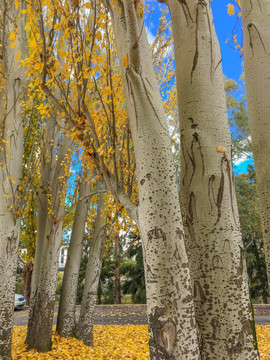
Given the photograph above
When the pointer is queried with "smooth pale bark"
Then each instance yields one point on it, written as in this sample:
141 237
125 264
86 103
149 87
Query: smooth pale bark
47 170
169 294
209 208
66 320
12 96
256 28
42 304
92 275
47 173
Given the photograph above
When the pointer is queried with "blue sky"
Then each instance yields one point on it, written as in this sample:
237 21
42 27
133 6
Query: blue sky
232 62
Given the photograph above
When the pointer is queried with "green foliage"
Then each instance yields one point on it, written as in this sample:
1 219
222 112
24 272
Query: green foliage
134 270
249 212
238 119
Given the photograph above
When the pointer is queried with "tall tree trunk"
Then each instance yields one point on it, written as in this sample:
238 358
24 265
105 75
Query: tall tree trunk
12 94
47 170
256 27
41 314
93 270
66 321
169 294
27 275
117 271
213 237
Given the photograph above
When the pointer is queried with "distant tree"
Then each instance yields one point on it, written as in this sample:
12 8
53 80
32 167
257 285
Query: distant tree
250 220
134 271
256 30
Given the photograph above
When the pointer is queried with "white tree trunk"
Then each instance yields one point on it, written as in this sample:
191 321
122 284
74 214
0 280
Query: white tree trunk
11 159
42 305
169 294
256 27
66 321
47 170
213 237
92 275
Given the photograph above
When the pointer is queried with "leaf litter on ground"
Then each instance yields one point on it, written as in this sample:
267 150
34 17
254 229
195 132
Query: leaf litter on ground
129 342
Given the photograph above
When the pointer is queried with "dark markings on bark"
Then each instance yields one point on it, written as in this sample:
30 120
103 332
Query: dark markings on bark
187 299
184 158
163 337
186 11
180 233
196 55
220 193
216 329
190 217
234 349
228 168
130 91
211 195
192 159
252 28
156 233
142 181
198 292
176 256
150 101
217 262
151 278
193 125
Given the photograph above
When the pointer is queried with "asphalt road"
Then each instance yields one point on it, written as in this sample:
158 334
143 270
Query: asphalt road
130 315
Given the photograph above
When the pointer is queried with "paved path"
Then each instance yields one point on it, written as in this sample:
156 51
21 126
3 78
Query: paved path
130 314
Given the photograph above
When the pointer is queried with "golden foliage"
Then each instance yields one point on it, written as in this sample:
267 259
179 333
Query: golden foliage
110 342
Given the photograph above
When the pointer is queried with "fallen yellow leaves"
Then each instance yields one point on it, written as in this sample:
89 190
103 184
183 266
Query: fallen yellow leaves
263 337
129 342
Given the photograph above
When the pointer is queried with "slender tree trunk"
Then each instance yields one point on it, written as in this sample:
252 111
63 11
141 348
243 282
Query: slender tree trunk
117 271
12 94
47 171
41 314
27 275
93 270
256 27
169 295
66 321
213 237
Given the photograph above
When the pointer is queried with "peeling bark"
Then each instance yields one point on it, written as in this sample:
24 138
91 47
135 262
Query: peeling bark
256 27
169 294
213 238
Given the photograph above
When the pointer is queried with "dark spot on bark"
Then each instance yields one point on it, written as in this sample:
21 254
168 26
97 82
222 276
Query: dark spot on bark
198 292
156 233
187 299
148 176
142 181
196 136
217 262
163 339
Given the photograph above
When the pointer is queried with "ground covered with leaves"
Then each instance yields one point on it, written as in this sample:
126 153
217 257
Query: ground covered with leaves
111 342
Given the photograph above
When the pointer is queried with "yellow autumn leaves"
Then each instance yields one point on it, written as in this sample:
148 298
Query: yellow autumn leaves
129 342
